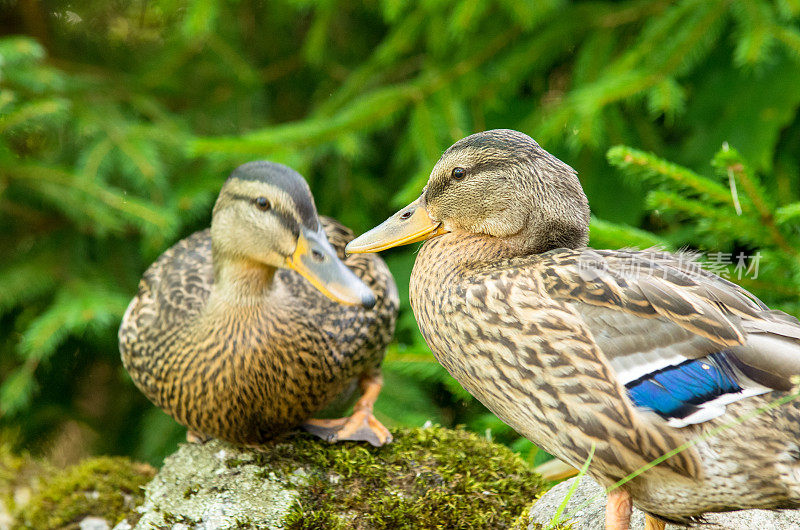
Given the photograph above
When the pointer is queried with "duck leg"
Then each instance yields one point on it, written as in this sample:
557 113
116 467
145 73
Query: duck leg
194 437
362 425
618 510
651 523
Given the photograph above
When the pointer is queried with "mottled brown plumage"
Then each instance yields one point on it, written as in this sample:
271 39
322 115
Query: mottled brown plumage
234 345
555 338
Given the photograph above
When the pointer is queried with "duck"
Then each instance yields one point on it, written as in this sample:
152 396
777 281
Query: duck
250 328
675 385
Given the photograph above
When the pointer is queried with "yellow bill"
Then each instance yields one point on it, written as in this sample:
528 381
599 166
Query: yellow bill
316 260
409 225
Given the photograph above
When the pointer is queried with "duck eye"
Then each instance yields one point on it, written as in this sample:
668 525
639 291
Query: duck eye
262 204
459 173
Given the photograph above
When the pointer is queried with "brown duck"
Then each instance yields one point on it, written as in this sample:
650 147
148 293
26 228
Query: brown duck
251 327
618 357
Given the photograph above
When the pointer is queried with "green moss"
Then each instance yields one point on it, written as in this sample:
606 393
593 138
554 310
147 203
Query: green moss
524 522
299 519
235 462
172 519
192 490
427 478
242 524
104 487
19 476
10 467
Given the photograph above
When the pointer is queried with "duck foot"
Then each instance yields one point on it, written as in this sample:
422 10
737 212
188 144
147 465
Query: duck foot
194 437
618 510
361 426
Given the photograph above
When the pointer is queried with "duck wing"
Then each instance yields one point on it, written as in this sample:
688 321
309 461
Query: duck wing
684 342
171 292
375 326
531 357
175 287
338 234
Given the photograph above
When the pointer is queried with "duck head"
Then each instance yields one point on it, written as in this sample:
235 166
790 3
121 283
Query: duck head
265 219
497 183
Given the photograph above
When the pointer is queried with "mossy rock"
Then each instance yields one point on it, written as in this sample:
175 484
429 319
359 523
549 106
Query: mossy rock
427 478
107 488
18 478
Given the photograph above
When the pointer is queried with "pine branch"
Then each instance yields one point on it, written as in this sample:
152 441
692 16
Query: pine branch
75 310
604 234
649 167
63 184
730 160
399 42
29 112
790 38
26 281
723 223
756 24
17 390
789 215
378 105
200 18
366 113
20 50
667 98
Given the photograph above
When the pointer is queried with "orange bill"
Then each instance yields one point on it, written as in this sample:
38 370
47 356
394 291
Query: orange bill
409 225
316 260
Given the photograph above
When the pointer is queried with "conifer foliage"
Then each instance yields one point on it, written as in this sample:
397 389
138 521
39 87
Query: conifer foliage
120 120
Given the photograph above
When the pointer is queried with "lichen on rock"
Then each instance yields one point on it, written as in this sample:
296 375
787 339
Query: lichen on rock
215 485
427 478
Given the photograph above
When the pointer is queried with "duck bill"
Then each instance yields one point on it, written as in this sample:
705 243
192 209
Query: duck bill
409 225
316 261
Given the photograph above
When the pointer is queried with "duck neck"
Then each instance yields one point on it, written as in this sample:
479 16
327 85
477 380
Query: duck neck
241 282
469 249
538 235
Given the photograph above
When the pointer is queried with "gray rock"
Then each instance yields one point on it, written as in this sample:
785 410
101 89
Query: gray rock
93 523
199 487
586 511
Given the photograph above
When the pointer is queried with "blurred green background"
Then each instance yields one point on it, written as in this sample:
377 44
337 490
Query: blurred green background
119 121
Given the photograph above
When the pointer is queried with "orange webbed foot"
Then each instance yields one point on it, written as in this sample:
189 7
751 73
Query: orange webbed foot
362 426
194 437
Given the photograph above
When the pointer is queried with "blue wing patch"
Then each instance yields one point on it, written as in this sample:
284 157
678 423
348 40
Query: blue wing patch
677 391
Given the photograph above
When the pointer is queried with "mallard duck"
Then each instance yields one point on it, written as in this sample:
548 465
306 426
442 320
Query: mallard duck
249 328
625 354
